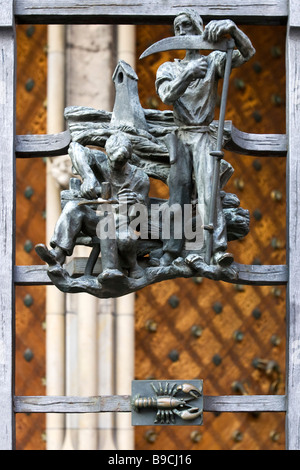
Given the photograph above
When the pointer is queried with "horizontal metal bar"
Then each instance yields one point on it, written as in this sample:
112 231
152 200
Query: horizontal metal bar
245 403
260 145
35 275
44 404
261 275
264 145
265 275
146 11
42 145
230 403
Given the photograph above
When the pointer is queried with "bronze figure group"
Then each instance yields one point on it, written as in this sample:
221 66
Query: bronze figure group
139 240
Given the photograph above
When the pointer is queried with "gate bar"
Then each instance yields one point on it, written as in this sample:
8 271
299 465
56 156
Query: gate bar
293 225
7 222
146 11
122 403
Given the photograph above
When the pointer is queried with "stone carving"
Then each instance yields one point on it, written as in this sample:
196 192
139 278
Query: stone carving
137 240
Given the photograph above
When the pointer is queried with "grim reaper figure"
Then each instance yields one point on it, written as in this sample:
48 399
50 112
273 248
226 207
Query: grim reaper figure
191 86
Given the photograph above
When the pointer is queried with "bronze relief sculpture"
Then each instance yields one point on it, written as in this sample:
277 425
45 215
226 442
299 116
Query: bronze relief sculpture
137 240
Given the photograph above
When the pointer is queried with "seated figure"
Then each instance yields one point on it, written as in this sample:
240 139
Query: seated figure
125 185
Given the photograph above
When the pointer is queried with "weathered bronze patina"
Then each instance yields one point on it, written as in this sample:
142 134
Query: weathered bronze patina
137 240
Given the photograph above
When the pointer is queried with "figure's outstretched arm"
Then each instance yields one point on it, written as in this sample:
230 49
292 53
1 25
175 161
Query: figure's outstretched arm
216 30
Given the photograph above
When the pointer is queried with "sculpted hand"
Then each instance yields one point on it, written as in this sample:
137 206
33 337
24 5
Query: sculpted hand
215 30
89 189
196 68
126 196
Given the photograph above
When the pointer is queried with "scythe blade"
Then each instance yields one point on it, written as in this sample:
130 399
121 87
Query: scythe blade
195 42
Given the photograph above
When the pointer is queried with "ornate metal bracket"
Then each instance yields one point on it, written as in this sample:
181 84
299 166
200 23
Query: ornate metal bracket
174 402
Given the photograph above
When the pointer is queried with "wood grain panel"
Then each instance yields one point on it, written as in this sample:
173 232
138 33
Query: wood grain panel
30 229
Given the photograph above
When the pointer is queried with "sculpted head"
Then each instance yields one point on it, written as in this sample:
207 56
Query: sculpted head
188 22
118 149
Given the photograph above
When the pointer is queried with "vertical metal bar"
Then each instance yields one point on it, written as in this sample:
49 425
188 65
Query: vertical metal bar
7 223
217 155
293 224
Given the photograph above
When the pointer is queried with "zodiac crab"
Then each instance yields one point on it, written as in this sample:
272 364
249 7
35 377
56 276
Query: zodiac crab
168 405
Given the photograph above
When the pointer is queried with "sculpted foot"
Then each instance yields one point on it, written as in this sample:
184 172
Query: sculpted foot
51 257
137 272
192 260
167 259
223 259
110 274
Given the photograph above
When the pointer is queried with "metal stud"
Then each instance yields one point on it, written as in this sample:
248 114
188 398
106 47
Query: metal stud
276 99
28 193
257 363
275 340
276 291
28 300
238 336
218 307
239 184
173 301
29 85
153 102
30 31
239 287
276 52
197 280
257 214
274 436
267 365
174 355
151 326
239 84
257 164
257 67
28 245
256 313
150 436
257 116
196 436
196 331
28 355
237 436
217 360
238 387
277 244
276 195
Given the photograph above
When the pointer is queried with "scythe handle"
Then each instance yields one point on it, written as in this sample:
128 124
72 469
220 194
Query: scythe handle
218 154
